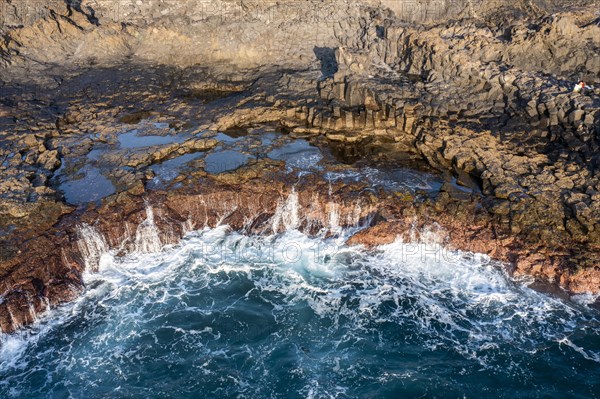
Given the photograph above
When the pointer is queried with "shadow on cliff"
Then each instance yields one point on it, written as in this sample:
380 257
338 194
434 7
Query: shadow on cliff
326 56
89 12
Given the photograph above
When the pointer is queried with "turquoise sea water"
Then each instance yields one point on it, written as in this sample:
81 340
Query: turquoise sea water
224 315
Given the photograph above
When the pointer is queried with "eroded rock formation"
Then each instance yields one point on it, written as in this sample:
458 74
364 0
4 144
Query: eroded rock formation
481 91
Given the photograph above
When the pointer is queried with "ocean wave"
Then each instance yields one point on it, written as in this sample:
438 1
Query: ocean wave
236 315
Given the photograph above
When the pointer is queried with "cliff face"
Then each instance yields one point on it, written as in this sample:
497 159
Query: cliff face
284 33
481 91
181 33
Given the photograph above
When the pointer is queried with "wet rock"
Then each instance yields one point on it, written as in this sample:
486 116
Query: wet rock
133 118
380 234
201 144
455 192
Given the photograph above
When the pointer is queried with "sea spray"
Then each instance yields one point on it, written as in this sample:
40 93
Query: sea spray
92 246
287 216
147 237
187 226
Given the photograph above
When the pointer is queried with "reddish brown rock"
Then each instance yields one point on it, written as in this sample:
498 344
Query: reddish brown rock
50 272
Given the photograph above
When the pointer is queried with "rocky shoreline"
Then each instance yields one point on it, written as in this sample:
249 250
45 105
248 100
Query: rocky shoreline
479 97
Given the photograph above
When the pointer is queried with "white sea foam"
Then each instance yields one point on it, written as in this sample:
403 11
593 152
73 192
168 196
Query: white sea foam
287 214
587 355
460 303
147 237
586 299
92 245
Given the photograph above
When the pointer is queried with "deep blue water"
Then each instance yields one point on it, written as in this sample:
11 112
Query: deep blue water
223 315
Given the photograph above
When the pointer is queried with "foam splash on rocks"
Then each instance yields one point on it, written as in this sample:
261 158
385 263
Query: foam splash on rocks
304 308
96 252
147 236
329 307
287 216
92 246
